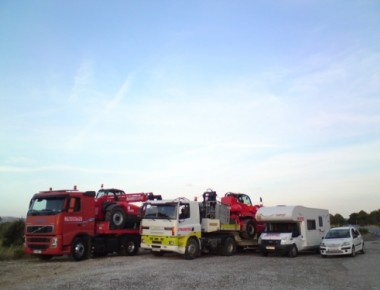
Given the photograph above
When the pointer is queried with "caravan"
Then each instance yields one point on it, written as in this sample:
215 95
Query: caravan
292 229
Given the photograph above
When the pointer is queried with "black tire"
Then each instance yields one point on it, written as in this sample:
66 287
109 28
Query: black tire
130 246
45 257
229 247
293 252
363 249
192 249
79 249
248 231
117 217
353 253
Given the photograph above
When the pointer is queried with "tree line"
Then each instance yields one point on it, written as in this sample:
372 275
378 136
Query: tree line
360 218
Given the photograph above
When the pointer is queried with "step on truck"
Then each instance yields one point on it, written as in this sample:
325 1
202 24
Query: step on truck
191 228
79 223
292 229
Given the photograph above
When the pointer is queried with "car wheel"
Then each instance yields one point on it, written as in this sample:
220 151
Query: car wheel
353 253
363 249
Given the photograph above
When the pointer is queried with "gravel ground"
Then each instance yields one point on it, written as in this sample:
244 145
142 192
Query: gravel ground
247 270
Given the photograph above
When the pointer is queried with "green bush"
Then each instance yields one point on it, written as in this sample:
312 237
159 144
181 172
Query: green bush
12 234
363 231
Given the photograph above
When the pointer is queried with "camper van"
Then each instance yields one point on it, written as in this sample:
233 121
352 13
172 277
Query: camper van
292 229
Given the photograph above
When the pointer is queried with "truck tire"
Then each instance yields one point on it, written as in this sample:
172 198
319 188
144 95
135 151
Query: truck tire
79 249
116 217
293 252
130 246
192 249
229 247
248 231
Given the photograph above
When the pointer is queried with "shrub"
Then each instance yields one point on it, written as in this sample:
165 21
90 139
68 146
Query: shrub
13 233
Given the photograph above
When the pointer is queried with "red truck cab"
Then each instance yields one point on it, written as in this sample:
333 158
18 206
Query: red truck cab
60 222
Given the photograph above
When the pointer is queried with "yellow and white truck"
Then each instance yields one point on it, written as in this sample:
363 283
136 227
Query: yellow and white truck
190 228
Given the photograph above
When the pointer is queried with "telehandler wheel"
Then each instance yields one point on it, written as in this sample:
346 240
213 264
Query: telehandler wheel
79 249
117 217
192 249
248 231
229 247
130 246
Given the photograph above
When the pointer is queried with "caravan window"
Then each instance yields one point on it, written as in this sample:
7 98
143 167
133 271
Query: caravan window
311 225
320 221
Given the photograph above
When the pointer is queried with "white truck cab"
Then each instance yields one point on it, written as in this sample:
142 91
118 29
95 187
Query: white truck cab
291 229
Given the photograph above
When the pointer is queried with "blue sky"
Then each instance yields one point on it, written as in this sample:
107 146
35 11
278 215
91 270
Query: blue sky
277 99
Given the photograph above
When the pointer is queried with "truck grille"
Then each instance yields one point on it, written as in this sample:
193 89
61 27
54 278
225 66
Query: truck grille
39 229
38 240
38 247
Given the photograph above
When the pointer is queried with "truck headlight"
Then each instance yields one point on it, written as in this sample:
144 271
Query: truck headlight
54 242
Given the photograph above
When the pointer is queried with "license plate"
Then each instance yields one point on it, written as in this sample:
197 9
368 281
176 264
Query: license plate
37 251
269 247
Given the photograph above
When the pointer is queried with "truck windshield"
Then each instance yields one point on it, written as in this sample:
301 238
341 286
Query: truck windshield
160 211
46 205
283 228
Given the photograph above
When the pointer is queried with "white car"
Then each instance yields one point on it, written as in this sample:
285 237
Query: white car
342 241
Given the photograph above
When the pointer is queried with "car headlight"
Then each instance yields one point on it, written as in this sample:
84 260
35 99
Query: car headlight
345 244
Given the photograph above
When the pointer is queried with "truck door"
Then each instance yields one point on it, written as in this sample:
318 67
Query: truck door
79 219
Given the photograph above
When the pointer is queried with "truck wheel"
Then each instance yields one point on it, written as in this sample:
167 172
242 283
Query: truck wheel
117 217
248 230
192 249
79 249
130 246
229 247
293 252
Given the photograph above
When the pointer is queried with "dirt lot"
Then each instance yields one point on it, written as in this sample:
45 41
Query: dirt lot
246 270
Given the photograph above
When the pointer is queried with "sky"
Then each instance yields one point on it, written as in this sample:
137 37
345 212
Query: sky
275 99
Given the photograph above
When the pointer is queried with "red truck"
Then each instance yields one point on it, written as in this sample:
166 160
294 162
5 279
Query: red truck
80 223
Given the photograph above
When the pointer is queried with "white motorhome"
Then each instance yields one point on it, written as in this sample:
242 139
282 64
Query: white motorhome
291 229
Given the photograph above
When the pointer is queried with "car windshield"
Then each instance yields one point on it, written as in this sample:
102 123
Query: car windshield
46 205
160 211
338 234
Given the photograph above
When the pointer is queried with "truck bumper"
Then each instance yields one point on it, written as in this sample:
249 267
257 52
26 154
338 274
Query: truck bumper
44 245
163 248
